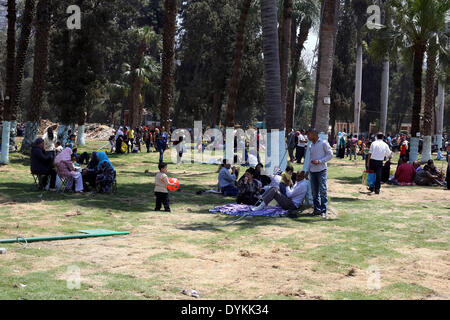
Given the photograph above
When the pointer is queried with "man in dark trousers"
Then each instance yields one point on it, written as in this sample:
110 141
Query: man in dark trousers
379 150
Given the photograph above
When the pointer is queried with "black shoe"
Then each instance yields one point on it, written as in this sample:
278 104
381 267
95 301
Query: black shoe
377 191
168 210
316 213
370 189
157 209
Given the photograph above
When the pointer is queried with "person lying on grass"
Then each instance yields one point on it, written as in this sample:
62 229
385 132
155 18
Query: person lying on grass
291 201
161 192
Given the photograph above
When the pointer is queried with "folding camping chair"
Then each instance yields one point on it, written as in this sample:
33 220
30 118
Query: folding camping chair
63 181
37 178
113 188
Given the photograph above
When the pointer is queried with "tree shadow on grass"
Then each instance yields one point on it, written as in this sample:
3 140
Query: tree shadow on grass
342 199
132 197
349 180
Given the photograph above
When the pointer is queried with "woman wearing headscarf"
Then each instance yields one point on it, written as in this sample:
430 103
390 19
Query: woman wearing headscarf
65 169
106 174
90 172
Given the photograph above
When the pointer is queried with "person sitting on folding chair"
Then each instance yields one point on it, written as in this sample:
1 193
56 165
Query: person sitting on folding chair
66 170
42 165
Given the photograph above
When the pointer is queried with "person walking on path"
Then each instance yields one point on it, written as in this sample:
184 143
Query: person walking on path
320 154
379 150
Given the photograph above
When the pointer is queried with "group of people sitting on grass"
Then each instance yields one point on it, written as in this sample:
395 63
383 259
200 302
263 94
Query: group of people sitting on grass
52 164
408 174
254 188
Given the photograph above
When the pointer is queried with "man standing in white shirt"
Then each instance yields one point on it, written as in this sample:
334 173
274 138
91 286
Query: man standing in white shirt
320 153
379 150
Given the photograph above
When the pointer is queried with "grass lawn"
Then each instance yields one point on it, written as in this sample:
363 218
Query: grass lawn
389 246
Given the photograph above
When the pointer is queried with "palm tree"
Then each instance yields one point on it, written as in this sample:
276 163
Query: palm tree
39 73
429 98
22 50
274 116
10 59
141 77
136 78
360 8
436 47
443 76
167 81
417 20
14 72
305 12
284 52
234 84
327 37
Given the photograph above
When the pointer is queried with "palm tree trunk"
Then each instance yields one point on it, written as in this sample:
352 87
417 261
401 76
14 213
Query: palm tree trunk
419 52
39 73
284 56
429 99
234 85
327 42
135 86
10 64
215 109
167 81
276 148
440 113
358 86
22 50
305 26
384 95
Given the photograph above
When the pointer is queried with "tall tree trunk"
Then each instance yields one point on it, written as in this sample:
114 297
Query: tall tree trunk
10 64
284 56
234 84
440 113
305 26
22 50
358 85
384 95
167 81
429 99
276 148
39 73
419 52
327 44
215 109
136 86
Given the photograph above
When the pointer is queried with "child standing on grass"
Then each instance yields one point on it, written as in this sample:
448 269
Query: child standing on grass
161 192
